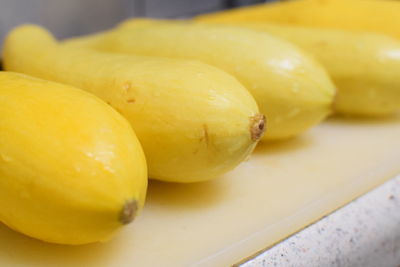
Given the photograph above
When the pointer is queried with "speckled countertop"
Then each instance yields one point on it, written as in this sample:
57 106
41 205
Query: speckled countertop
364 233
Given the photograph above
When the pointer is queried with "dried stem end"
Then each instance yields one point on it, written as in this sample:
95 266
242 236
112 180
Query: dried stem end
128 212
257 126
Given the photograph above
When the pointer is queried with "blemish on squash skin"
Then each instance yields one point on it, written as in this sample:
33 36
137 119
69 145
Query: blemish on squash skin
126 86
206 137
321 44
131 100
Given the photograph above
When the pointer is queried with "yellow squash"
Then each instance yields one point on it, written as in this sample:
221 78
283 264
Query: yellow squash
71 168
365 67
292 90
195 122
381 16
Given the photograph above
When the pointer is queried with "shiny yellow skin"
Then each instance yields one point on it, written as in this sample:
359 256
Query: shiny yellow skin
68 162
292 90
380 16
365 67
193 120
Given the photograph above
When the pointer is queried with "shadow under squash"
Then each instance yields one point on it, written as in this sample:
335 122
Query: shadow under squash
186 196
19 250
284 146
362 120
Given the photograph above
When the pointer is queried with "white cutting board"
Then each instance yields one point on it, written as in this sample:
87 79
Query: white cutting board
282 188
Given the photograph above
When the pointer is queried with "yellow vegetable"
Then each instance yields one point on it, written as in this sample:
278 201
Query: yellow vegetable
71 169
195 122
381 16
292 90
365 67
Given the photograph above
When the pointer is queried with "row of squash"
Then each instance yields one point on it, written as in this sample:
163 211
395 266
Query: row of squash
184 100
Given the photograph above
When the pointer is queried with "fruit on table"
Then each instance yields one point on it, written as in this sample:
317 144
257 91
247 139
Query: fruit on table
291 89
381 16
195 122
365 67
71 168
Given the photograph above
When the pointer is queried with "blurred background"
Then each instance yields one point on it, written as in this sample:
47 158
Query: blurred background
67 18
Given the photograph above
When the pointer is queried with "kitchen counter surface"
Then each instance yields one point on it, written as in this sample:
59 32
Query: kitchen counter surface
365 233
